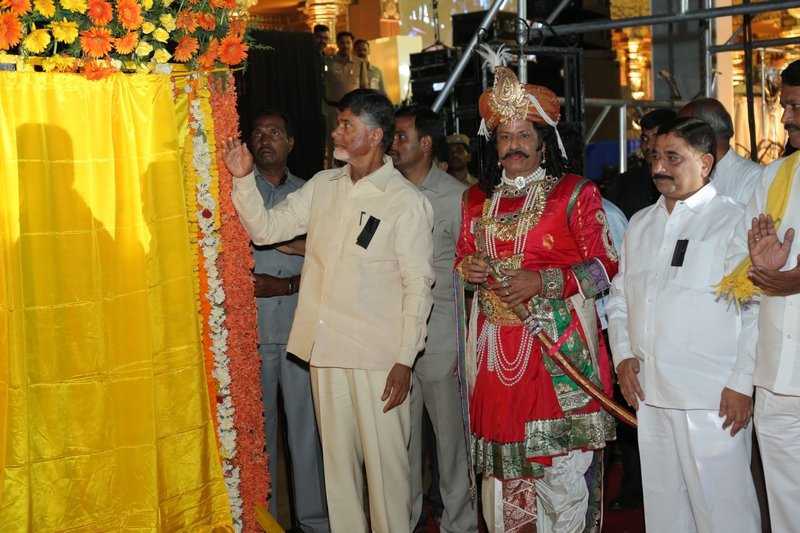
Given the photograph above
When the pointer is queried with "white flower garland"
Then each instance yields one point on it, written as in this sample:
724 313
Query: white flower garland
210 244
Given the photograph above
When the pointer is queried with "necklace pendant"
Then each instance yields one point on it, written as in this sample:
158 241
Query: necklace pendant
520 182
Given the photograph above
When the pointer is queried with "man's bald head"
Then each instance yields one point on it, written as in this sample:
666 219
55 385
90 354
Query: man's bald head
713 113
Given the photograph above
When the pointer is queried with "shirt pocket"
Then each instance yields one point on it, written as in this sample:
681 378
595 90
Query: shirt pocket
379 249
702 266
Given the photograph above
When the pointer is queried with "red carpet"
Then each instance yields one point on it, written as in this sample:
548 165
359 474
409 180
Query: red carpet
620 521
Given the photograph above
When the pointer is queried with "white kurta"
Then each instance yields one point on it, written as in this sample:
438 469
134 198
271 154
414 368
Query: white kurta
663 311
777 372
736 176
687 340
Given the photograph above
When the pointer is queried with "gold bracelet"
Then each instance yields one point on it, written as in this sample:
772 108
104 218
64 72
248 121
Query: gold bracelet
465 266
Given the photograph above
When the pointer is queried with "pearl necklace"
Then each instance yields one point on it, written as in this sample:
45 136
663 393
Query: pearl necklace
509 368
520 182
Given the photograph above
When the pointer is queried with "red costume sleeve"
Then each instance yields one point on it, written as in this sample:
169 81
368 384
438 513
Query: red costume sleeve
471 206
589 229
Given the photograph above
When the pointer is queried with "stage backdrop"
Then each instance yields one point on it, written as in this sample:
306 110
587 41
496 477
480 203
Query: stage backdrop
104 408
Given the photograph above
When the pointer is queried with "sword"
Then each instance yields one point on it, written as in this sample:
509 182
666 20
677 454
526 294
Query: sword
536 329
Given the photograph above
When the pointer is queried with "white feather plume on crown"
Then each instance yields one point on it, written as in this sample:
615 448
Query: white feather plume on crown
493 59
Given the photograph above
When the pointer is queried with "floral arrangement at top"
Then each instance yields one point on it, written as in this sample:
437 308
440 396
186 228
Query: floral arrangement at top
99 37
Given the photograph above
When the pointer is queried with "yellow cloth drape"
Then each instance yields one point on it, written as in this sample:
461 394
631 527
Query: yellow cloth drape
104 420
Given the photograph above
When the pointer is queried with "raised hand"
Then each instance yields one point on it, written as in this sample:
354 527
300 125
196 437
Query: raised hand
237 157
766 250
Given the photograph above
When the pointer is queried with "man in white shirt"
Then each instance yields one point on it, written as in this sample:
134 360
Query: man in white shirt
776 272
363 303
733 175
684 358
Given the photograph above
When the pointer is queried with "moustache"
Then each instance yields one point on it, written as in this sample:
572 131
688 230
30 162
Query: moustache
662 177
791 127
513 153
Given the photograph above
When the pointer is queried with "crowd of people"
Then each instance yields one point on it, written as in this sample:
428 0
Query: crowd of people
388 288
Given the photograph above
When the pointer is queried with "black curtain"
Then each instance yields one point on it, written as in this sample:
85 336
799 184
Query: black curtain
287 77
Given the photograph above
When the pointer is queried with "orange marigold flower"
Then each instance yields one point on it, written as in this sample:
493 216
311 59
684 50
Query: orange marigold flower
237 26
187 21
129 14
208 59
16 7
94 70
206 21
232 50
186 49
127 43
223 4
10 31
96 42
100 12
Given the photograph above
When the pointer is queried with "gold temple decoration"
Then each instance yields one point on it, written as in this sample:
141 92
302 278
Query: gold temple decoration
634 50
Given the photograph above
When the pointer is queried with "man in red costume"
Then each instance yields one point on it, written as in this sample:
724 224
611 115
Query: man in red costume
533 430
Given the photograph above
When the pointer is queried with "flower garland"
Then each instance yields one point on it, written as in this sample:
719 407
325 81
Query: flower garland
227 305
236 265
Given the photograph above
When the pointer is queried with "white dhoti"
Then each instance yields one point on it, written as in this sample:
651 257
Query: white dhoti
562 498
695 476
777 420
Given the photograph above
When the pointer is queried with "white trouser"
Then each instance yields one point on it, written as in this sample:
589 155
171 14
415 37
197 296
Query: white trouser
777 420
695 476
562 497
355 431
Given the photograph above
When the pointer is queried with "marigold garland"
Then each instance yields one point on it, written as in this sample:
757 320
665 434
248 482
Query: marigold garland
245 362
229 325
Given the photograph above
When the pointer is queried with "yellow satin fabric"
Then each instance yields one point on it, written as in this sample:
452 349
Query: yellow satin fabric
104 420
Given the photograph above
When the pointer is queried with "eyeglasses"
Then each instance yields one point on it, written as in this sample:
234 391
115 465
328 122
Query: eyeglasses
272 133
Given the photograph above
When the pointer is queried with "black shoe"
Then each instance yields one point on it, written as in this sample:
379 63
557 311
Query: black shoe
625 503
